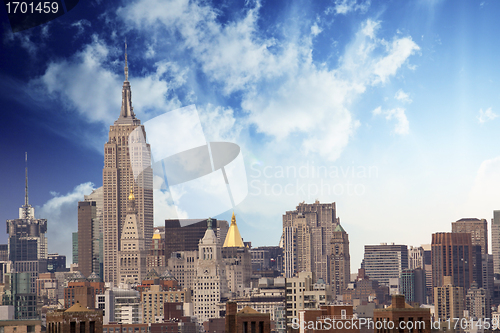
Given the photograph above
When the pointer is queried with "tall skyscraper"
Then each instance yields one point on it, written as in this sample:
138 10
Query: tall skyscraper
495 240
452 256
307 232
125 153
27 241
478 229
385 261
340 261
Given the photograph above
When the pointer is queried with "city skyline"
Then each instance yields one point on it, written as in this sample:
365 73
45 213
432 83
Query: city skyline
392 104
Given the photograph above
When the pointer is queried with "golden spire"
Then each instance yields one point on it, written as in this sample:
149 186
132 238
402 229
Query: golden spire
233 238
131 196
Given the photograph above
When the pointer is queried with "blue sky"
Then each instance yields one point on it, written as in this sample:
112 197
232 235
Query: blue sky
393 103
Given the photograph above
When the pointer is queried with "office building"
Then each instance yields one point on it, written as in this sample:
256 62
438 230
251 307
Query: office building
27 242
90 236
127 164
74 244
303 293
365 290
185 235
452 256
495 241
210 283
156 253
267 259
340 261
237 260
477 302
183 266
385 261
478 229
307 232
412 285
448 300
415 257
56 263
342 315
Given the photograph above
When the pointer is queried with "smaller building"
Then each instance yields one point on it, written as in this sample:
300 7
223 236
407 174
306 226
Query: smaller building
21 326
246 320
75 319
402 317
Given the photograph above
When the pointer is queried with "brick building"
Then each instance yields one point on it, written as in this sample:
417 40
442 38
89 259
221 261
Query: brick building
401 313
246 320
75 319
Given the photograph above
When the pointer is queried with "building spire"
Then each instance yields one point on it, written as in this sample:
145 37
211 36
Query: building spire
233 237
26 203
126 64
127 115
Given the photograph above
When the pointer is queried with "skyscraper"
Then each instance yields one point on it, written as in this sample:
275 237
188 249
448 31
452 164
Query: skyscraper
478 229
90 256
27 249
340 261
127 163
307 232
495 240
27 242
452 256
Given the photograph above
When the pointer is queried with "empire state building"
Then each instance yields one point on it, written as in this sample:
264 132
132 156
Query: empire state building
125 152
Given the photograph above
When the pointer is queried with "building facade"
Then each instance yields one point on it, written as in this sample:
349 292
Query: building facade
452 256
90 234
307 232
340 261
210 283
385 261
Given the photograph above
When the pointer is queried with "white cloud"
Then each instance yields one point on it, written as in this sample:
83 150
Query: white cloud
398 52
346 6
219 123
402 96
85 83
485 191
315 30
402 126
377 111
80 26
164 208
487 115
62 218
